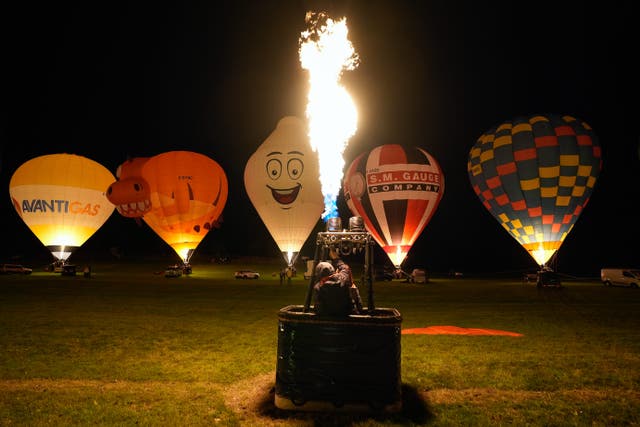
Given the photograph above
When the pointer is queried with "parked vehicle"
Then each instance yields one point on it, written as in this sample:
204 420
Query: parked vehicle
418 275
68 270
173 271
246 274
548 279
14 269
55 267
186 268
383 274
620 277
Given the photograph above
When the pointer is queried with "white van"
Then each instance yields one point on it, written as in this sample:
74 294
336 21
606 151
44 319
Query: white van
620 277
418 275
14 268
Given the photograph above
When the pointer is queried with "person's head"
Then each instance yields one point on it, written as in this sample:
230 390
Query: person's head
324 269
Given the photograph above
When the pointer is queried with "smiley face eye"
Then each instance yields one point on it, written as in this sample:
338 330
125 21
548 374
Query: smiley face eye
274 169
295 168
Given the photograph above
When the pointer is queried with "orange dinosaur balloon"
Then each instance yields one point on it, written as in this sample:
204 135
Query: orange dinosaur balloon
179 194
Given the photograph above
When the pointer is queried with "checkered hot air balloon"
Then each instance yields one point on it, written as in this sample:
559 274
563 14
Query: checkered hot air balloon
535 175
396 191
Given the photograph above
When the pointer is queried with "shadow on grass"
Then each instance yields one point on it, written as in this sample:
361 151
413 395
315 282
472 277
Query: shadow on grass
415 409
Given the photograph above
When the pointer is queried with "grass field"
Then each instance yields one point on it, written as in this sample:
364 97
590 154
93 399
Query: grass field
131 347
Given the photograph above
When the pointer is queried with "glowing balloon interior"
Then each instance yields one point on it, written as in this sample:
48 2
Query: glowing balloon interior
281 180
535 175
60 197
179 194
396 191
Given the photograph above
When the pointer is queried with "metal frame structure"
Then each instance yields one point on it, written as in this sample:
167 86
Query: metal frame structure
345 243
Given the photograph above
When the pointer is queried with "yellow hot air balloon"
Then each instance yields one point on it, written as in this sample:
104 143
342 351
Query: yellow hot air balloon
282 181
61 198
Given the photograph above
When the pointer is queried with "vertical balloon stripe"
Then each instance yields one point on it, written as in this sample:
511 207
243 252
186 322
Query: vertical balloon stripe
414 220
373 207
355 188
371 222
390 154
395 211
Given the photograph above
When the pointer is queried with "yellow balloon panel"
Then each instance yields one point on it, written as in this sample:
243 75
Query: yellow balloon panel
62 170
60 197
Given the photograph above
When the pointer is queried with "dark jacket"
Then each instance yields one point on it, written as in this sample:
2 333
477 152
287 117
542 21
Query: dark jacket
337 295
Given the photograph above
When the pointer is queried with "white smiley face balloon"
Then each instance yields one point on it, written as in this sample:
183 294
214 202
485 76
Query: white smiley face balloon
282 181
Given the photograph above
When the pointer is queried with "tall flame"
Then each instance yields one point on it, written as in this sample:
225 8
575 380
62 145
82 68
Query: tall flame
325 51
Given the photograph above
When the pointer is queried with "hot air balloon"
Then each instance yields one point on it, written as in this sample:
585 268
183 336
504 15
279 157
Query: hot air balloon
281 179
179 194
396 191
535 175
61 199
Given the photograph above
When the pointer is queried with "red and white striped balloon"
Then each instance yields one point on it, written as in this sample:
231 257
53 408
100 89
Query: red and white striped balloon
396 190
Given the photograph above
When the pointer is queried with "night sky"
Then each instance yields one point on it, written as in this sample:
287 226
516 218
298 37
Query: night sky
110 81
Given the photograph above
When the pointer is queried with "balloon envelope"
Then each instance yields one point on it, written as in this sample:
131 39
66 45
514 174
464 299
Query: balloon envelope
396 191
179 194
535 175
282 181
61 198
131 193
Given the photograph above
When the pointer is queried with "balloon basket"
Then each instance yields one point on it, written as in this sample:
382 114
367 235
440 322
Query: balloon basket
345 364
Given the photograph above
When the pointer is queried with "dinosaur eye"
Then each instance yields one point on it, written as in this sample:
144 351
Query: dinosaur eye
137 187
